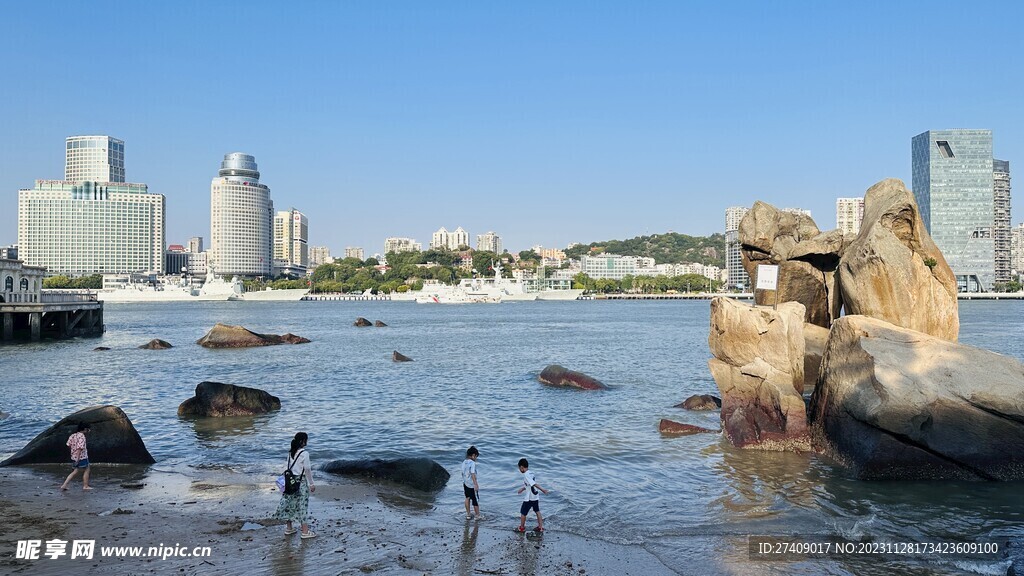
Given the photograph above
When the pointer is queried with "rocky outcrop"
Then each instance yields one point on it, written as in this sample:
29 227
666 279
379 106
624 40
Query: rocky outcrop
397 356
678 428
419 473
814 346
701 402
759 369
362 322
224 336
806 258
379 324
555 375
112 439
216 399
893 271
156 344
894 403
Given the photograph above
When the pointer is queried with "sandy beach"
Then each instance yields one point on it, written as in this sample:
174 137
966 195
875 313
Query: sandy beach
362 528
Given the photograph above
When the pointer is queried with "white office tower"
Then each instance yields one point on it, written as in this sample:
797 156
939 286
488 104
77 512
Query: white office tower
94 159
319 255
291 235
736 274
458 239
81 228
490 242
439 239
195 244
849 214
241 220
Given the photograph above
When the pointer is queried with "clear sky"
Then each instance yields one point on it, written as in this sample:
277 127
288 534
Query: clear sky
547 122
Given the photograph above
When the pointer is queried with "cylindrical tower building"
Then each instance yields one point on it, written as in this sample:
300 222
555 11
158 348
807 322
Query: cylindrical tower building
241 219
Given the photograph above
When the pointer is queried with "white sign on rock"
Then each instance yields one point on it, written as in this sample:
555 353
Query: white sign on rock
767 276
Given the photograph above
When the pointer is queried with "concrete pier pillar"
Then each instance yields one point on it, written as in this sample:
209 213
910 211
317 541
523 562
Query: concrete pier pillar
62 324
35 321
8 333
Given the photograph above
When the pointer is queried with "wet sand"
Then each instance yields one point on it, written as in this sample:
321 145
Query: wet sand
362 528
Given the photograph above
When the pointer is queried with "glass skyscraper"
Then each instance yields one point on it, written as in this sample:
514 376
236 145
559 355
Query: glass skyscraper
953 187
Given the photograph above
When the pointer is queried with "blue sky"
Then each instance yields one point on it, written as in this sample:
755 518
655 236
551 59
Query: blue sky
546 122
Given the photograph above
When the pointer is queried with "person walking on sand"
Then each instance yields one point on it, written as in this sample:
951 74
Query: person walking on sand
469 484
80 457
531 500
294 505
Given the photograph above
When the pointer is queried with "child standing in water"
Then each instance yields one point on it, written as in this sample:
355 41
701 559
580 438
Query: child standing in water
530 500
469 483
80 456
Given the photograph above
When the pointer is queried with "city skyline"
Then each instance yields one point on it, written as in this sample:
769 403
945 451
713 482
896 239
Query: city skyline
606 117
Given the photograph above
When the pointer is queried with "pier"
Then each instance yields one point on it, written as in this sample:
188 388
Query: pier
684 296
353 297
27 312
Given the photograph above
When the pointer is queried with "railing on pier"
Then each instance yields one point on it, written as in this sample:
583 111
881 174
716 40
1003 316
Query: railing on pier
47 297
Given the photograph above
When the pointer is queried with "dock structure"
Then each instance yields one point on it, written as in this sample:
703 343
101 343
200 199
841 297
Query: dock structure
27 312
352 297
683 296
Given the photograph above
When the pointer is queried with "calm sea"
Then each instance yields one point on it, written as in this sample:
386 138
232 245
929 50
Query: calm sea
473 381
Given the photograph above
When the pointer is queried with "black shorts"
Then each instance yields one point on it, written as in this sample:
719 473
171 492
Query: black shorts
471 494
529 505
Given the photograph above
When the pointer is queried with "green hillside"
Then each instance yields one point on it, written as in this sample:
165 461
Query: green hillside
669 248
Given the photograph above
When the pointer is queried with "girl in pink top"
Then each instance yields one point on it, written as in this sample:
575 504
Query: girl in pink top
79 455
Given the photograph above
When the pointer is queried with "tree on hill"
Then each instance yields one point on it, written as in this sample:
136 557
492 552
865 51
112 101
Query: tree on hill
669 248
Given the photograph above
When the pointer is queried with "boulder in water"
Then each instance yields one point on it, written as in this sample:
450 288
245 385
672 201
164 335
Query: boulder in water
224 336
419 473
379 324
397 356
156 344
112 439
701 402
678 428
217 399
555 375
100 349
362 322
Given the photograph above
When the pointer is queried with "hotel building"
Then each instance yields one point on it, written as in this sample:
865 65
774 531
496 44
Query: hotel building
241 219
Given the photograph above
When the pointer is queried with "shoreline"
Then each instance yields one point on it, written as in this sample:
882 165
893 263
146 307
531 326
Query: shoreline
361 528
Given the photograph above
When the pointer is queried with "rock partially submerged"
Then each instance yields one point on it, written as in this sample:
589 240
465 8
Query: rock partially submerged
100 349
894 403
893 271
758 367
419 473
156 344
112 439
397 356
379 324
362 322
701 402
217 399
555 375
225 336
678 428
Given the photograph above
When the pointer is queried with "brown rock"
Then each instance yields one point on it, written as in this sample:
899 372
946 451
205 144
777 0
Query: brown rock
555 375
100 349
396 356
112 439
701 402
894 403
815 338
217 399
893 271
156 344
362 322
671 427
224 336
379 324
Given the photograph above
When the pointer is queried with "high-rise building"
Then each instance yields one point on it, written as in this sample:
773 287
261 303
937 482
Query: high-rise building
1017 248
195 244
439 239
291 235
953 187
395 244
736 274
489 241
9 252
94 159
458 239
79 228
849 214
241 219
319 255
354 252
1001 219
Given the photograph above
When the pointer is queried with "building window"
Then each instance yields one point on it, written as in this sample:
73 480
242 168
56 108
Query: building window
944 150
24 284
9 284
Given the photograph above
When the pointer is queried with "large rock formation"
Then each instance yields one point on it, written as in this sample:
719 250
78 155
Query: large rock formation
701 402
555 375
898 404
224 336
815 338
112 439
759 369
419 473
806 258
216 399
156 344
894 271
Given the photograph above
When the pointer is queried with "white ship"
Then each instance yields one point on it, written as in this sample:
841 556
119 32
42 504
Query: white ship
121 288
271 295
492 290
